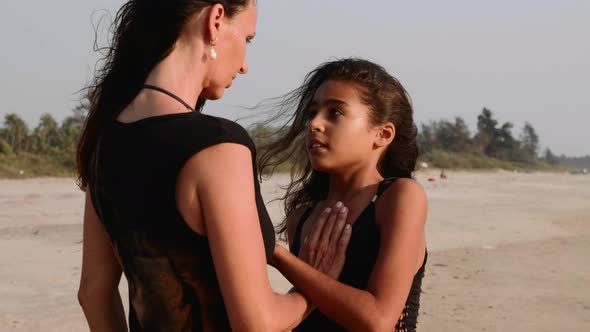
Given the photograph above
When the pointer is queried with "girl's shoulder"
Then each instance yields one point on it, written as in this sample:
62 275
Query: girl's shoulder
401 186
401 194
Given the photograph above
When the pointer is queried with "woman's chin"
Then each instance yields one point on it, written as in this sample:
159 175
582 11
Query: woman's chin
212 94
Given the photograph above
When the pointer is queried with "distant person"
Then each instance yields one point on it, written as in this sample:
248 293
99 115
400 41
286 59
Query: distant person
354 133
172 198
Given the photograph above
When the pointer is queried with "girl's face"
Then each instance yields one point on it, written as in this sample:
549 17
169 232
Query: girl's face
339 134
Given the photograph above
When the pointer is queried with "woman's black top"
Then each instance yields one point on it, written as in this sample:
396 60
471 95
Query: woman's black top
172 281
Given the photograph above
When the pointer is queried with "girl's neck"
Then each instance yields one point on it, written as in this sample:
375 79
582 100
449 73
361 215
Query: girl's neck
347 188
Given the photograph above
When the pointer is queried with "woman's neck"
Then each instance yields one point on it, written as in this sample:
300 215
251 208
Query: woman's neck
181 73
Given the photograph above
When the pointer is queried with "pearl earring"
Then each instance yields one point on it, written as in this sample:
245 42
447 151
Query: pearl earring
212 52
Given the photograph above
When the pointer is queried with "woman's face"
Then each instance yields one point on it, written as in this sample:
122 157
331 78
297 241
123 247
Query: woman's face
232 39
339 134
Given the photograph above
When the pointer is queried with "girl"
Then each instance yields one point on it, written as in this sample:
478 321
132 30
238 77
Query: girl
354 141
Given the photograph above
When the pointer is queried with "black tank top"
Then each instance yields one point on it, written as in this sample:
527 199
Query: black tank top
361 256
169 268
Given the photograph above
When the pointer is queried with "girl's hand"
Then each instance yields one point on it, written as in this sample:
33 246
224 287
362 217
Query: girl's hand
325 247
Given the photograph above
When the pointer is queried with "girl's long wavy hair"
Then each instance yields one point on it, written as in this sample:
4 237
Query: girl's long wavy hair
388 101
144 32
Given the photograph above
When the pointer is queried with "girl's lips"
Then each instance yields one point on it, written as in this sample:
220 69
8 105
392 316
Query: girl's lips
317 148
316 143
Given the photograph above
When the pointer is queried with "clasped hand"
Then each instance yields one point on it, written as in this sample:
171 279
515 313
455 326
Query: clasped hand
325 246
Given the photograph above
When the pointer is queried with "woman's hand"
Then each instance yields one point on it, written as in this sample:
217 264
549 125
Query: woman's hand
325 247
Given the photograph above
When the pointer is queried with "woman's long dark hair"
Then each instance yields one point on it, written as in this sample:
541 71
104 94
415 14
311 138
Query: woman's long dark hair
388 101
144 33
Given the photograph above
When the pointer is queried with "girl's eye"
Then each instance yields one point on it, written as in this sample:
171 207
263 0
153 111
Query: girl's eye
335 112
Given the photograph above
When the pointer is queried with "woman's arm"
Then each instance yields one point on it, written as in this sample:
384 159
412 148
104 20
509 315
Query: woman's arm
401 215
101 272
224 182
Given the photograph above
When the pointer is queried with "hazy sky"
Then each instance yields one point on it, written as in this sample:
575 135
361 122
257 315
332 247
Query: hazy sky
526 60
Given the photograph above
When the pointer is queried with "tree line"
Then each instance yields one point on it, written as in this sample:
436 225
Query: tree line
49 140
56 142
491 139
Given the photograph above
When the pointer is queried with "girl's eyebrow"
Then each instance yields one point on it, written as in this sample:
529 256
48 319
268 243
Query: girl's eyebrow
330 102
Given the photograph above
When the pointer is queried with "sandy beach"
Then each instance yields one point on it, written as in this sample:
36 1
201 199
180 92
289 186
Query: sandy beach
507 251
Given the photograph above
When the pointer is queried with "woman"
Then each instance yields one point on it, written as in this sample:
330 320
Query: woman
171 194
355 139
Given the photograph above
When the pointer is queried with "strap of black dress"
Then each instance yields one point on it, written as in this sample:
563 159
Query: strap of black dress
383 185
170 94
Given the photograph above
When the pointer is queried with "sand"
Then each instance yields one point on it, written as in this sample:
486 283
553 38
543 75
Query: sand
508 251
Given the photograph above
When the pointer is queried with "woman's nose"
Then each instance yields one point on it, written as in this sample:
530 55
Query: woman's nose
244 69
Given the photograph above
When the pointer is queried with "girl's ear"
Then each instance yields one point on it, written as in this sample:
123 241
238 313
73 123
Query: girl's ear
384 135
